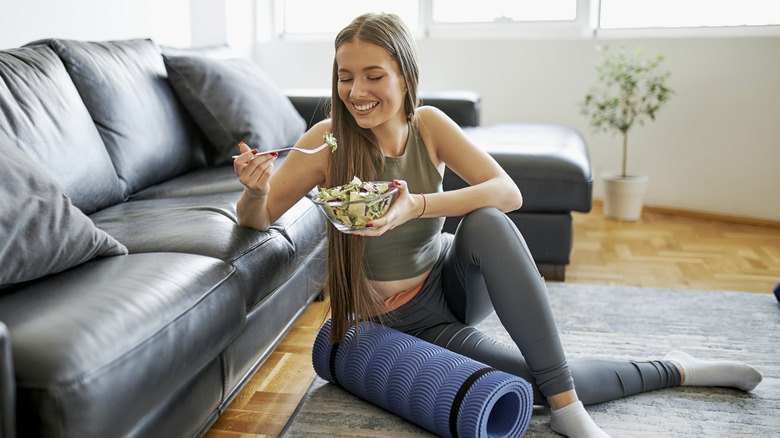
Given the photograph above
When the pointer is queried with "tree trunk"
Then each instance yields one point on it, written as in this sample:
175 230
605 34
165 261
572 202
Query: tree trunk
625 151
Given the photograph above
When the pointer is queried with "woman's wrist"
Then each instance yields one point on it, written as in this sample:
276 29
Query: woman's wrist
424 206
250 193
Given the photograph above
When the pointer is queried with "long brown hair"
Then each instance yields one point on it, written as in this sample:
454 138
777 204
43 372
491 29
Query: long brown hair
359 154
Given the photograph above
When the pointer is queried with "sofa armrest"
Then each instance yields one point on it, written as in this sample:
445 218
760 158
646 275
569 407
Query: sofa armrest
7 386
462 106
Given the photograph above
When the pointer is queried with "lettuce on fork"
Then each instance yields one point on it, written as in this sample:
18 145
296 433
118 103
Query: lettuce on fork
330 140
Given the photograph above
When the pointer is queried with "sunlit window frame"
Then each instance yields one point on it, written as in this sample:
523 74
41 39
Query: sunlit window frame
276 11
581 26
586 25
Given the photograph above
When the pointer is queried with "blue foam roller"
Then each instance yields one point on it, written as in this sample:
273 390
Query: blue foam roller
444 392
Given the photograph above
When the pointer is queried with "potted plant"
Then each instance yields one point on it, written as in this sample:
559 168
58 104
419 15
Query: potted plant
630 90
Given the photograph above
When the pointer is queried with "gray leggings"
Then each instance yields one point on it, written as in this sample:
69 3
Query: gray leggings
486 265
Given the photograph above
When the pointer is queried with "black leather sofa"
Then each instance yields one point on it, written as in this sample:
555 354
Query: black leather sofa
549 162
131 302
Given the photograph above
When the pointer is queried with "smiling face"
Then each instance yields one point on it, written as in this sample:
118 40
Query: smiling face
370 84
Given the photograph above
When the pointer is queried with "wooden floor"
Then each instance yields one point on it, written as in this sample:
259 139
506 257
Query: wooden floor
659 250
668 251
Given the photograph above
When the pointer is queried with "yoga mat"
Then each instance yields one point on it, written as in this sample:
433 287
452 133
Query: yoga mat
444 392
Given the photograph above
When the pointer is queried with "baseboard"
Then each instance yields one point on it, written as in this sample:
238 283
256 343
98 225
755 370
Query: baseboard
552 272
696 214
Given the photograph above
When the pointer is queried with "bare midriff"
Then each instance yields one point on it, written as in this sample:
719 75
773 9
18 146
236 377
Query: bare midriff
387 289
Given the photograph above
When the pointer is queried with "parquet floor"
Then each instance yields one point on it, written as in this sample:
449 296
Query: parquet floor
265 404
659 250
667 251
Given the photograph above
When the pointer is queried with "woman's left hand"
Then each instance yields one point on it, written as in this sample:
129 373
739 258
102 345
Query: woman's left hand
404 208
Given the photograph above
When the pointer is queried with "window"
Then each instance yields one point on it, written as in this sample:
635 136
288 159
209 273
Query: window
503 11
534 18
502 18
300 17
637 14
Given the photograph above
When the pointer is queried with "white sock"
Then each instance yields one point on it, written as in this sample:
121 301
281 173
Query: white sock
574 422
728 373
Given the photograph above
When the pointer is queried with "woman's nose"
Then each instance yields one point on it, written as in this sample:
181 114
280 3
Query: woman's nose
358 88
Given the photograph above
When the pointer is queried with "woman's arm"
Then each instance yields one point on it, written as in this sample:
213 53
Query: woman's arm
268 194
488 184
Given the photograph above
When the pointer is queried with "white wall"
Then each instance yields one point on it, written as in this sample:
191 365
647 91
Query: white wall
22 21
715 148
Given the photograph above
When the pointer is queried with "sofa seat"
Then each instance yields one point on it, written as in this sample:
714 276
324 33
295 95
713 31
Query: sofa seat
207 225
199 182
140 326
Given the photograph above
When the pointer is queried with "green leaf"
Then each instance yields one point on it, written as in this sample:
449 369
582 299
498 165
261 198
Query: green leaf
630 89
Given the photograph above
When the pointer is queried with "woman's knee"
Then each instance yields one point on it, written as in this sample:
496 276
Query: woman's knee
482 219
488 223
488 232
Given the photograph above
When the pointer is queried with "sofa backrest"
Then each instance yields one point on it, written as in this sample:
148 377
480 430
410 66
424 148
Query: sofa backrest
146 131
42 113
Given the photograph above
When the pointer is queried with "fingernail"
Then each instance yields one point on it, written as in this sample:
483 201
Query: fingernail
396 182
274 154
241 143
369 225
254 151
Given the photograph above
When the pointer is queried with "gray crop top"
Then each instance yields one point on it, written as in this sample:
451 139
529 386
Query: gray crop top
412 248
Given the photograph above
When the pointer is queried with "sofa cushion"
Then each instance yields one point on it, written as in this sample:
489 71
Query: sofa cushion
124 85
208 225
45 117
41 232
233 100
97 347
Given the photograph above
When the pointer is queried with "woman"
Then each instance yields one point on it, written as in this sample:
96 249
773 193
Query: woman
437 286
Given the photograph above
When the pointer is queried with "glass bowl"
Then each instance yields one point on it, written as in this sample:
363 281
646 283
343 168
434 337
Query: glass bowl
350 217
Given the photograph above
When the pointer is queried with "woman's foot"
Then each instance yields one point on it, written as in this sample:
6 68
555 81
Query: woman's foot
574 422
698 372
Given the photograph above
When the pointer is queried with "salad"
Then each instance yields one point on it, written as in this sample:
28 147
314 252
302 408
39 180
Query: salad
342 205
331 141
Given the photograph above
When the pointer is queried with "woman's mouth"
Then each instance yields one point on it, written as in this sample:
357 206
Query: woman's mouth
365 107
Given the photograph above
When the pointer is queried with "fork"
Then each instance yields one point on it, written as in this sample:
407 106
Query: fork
305 151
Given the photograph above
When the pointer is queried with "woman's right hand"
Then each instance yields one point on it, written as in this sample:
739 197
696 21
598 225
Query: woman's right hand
254 172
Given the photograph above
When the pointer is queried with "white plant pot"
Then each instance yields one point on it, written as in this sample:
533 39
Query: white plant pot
623 197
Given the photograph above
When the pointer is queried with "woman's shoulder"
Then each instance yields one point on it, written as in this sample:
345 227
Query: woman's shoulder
314 136
436 130
430 115
320 128
311 139
431 121
428 112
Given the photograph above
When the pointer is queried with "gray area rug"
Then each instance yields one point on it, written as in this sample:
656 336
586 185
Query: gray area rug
621 323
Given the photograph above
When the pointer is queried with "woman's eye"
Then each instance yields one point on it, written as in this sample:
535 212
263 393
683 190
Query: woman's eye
375 78
345 79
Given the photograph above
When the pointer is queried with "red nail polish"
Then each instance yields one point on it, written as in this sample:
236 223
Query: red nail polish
254 151
241 143
369 225
274 154
396 182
